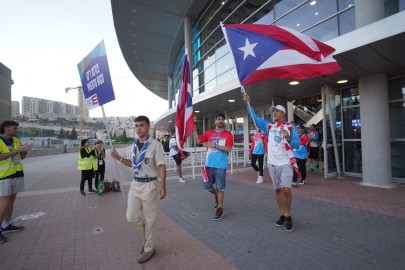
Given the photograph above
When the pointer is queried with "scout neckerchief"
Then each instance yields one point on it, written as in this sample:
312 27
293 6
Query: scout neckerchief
138 164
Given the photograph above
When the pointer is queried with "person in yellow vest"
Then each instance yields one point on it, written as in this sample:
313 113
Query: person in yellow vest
11 174
87 164
100 172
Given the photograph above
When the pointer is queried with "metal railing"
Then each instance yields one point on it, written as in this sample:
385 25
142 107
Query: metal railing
197 157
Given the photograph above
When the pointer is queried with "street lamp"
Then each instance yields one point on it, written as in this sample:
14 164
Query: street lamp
80 101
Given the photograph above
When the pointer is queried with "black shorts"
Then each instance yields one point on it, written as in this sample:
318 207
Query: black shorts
178 158
313 152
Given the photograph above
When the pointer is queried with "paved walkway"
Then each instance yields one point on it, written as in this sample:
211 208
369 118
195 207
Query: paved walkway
339 224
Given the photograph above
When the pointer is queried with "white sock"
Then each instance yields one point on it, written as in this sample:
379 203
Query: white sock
5 223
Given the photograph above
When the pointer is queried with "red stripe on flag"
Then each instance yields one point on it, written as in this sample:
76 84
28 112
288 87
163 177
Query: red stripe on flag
184 114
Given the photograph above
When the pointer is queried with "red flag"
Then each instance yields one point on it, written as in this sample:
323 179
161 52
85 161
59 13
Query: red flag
266 51
184 114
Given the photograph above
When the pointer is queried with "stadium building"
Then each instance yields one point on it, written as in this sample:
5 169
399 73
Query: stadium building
360 110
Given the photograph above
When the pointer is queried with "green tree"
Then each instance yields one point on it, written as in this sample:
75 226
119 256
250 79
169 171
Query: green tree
61 134
73 134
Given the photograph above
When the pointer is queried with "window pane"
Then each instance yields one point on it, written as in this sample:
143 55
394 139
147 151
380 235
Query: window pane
397 120
238 124
308 14
351 122
209 74
210 85
226 77
225 63
347 22
324 31
353 162
342 4
284 6
396 89
351 96
398 159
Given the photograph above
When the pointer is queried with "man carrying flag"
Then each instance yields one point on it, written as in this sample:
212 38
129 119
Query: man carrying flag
262 52
281 137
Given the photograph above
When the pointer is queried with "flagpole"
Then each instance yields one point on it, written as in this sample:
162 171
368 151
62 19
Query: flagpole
111 146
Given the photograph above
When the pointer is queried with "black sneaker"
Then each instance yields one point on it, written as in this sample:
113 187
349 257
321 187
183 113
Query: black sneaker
92 191
302 182
288 225
2 239
219 214
294 184
82 193
12 228
280 221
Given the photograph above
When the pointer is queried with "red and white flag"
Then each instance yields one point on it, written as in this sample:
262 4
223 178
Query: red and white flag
184 114
267 51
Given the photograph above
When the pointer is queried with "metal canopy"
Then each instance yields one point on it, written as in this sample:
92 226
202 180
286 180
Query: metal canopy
151 34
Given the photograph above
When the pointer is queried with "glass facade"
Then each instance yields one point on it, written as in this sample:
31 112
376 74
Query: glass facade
396 96
212 62
351 126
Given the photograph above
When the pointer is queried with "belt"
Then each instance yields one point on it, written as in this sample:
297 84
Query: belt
144 180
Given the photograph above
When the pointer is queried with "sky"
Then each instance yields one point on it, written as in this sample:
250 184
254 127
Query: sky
43 41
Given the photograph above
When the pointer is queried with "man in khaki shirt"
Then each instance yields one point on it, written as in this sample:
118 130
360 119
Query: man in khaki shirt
148 164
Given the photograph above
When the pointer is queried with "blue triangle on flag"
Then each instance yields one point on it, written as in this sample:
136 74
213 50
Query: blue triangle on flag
246 64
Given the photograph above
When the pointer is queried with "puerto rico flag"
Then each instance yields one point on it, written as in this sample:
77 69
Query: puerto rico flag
266 51
184 114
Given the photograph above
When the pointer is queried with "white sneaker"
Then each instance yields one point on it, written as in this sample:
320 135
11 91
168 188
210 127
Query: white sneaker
259 180
182 181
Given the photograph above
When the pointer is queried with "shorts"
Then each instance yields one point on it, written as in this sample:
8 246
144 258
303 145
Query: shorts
281 175
11 186
178 158
313 152
216 176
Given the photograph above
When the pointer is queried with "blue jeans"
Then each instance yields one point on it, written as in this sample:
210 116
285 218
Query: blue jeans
216 176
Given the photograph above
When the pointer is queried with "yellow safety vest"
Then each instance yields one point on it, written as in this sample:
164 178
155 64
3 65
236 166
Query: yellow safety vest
86 163
10 165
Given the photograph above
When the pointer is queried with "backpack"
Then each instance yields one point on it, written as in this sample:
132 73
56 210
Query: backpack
107 186
115 185
166 146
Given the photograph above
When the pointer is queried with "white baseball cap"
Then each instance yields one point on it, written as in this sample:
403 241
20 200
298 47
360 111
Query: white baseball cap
277 107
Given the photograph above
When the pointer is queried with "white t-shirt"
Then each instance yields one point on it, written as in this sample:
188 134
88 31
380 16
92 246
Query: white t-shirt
173 142
277 154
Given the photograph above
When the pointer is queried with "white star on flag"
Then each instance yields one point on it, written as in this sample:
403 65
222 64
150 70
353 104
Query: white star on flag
248 49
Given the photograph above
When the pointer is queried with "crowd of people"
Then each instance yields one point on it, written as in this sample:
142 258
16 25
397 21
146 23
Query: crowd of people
286 147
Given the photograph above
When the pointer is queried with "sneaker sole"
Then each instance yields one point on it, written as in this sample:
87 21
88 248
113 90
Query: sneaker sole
11 231
289 230
279 225
216 219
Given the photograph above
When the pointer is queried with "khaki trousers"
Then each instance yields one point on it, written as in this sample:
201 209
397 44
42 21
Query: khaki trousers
142 210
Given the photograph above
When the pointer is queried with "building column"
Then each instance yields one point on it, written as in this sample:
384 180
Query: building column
290 111
5 93
375 130
368 11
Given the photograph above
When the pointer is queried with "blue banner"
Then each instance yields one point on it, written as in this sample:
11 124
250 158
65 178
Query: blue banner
95 77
